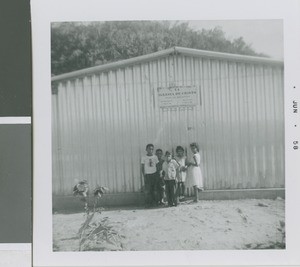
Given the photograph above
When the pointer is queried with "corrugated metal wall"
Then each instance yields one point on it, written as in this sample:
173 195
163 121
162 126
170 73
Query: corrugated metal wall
102 123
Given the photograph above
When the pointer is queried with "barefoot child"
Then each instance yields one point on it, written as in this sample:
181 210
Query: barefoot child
181 175
149 171
194 176
170 168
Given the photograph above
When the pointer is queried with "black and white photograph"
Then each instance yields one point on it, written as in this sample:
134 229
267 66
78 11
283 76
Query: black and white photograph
168 135
165 133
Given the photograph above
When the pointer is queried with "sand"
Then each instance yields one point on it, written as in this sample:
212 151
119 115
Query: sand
206 225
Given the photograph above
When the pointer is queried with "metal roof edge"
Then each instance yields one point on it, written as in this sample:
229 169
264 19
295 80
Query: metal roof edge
229 56
113 65
176 49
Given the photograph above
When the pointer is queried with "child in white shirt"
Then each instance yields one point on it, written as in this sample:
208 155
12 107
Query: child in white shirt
149 172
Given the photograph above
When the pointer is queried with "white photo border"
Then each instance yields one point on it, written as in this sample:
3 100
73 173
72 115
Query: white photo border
44 12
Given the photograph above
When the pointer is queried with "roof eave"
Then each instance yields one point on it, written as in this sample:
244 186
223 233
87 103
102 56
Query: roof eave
228 56
113 65
180 50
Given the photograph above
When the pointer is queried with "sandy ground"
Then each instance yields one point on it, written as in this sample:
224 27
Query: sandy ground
233 224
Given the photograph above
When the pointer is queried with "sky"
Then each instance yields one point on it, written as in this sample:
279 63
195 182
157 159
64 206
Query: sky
265 36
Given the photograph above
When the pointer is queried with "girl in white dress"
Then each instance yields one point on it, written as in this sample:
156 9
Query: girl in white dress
194 174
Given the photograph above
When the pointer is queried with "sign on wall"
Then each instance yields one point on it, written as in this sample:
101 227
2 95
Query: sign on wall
177 96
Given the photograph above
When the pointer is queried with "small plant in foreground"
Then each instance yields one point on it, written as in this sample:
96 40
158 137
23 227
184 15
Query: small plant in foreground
282 231
81 190
271 245
95 235
98 192
99 236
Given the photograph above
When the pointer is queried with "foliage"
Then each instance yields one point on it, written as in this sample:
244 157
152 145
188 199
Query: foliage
271 244
281 229
98 235
81 190
95 235
77 45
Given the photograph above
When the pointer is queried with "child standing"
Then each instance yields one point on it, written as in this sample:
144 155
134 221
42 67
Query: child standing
149 172
160 186
181 175
170 168
194 176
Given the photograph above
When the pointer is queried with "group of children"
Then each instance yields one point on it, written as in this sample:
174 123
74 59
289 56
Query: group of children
170 176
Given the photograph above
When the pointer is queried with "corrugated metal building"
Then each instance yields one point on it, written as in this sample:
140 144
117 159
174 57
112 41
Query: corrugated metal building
232 105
